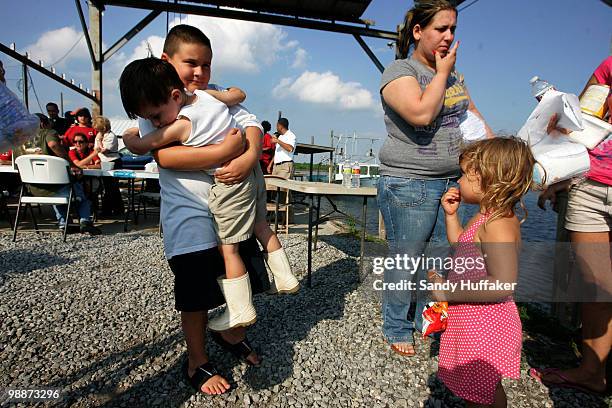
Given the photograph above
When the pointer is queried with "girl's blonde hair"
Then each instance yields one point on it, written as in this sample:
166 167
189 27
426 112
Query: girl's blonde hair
505 167
421 13
101 124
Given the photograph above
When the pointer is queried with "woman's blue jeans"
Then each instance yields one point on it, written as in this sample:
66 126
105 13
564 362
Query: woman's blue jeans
409 209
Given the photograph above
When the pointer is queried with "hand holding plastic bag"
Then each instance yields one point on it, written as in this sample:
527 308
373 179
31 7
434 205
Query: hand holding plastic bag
565 106
435 315
17 125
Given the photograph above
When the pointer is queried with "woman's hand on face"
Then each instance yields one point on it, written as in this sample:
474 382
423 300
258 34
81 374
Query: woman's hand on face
444 65
450 201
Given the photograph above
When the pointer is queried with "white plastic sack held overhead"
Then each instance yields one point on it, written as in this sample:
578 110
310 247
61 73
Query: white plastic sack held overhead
566 106
17 125
558 156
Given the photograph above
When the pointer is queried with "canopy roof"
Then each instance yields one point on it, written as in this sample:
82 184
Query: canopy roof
338 10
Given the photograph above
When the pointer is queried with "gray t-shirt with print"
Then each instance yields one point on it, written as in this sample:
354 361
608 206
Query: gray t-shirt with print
424 152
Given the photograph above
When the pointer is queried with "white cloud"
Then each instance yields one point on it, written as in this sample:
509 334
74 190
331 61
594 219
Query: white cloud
53 45
325 88
300 58
156 44
241 46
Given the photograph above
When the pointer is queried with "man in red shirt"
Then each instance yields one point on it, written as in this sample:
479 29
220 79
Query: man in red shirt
267 148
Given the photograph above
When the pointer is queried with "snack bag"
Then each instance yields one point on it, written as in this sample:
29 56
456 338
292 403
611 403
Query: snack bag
17 125
435 315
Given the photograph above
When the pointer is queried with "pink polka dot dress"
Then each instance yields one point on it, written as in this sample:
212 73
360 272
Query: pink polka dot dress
482 341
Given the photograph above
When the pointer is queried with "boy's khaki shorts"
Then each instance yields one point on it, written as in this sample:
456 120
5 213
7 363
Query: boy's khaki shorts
237 208
589 207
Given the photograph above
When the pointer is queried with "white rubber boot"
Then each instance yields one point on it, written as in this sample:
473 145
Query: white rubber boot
239 310
284 280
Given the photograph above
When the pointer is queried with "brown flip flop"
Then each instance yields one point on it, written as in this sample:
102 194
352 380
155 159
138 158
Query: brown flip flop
399 351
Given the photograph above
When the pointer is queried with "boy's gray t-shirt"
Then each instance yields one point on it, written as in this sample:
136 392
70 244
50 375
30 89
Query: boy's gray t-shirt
427 152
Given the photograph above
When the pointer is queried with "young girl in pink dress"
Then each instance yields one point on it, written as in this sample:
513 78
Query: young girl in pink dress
482 342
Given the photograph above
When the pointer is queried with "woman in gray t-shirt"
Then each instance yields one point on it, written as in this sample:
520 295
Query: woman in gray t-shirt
423 98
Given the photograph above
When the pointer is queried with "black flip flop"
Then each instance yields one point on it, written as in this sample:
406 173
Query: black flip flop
240 350
202 374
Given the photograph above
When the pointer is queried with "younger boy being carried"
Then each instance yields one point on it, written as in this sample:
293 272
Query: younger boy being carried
151 88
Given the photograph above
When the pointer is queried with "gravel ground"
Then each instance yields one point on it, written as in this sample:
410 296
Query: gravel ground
95 317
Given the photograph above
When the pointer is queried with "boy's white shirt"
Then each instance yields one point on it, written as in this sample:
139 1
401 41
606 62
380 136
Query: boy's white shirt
210 120
186 220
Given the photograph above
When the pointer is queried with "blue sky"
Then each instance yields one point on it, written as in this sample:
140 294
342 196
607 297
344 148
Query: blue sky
324 81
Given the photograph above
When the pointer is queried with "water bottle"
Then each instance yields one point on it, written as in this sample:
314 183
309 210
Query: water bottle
539 87
346 174
355 173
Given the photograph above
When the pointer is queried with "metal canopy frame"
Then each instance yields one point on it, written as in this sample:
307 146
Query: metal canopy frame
287 13
28 62
316 16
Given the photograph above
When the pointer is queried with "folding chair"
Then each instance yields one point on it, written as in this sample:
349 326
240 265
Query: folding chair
41 169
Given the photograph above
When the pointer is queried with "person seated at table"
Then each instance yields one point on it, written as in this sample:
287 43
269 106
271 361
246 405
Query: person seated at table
83 156
107 141
9 182
83 126
6 158
47 142
59 124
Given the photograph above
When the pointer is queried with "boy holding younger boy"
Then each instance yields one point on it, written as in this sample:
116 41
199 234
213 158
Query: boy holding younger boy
154 89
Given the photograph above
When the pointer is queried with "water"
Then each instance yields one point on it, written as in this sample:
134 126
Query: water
540 226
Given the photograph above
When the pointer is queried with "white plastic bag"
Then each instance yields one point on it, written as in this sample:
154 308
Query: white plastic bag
559 158
560 162
567 108
17 125
472 127
595 130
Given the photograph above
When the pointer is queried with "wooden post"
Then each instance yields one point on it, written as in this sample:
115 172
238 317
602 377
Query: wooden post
95 31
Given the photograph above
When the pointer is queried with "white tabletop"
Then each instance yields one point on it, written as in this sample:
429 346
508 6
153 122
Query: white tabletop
318 188
7 168
118 173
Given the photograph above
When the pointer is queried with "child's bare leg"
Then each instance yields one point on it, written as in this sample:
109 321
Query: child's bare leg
469 404
500 397
266 237
234 267
236 335
194 327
